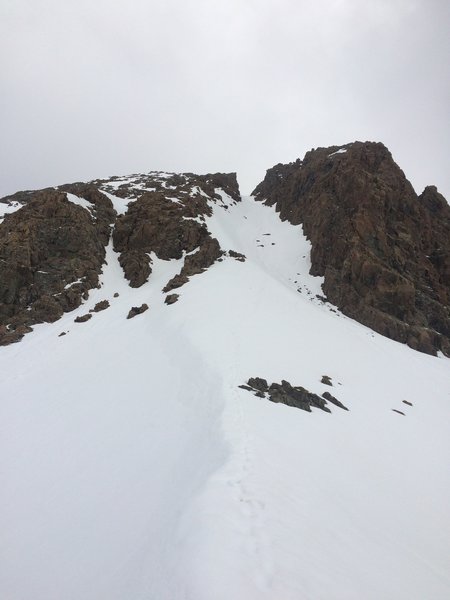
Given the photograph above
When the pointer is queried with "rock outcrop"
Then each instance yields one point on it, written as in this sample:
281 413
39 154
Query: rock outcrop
195 263
53 241
384 252
285 393
51 254
137 310
168 219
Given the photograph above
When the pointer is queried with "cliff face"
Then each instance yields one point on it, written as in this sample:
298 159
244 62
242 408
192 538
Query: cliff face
53 241
51 254
384 251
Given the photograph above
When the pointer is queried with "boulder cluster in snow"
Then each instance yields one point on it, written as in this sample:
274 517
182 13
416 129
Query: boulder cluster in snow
295 396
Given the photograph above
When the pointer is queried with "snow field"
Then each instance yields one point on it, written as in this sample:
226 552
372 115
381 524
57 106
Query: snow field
134 467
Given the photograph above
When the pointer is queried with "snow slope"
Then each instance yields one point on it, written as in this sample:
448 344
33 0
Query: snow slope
133 467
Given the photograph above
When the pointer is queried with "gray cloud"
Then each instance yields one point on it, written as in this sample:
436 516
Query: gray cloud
90 89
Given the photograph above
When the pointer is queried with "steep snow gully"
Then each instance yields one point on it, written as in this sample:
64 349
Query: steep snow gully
133 466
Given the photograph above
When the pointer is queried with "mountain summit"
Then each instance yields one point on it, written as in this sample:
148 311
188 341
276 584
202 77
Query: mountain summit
384 251
208 396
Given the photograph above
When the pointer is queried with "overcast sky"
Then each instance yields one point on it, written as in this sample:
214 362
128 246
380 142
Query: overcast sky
92 88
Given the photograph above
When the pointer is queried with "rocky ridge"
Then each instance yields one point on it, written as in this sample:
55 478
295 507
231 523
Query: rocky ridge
53 241
51 253
384 252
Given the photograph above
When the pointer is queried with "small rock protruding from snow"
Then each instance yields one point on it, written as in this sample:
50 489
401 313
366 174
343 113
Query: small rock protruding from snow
102 305
326 380
171 298
83 318
137 310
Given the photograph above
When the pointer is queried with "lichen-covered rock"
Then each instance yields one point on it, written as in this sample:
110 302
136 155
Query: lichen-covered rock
384 252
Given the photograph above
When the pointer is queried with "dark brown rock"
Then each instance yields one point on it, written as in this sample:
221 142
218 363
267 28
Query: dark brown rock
83 318
326 380
258 383
168 222
176 282
208 252
295 396
52 250
333 400
398 411
384 252
136 266
102 305
155 224
104 212
407 402
237 255
137 310
51 254
11 336
171 298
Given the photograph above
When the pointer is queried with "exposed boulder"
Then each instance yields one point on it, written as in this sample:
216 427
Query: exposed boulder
171 298
137 310
237 255
83 318
259 384
102 305
384 252
333 400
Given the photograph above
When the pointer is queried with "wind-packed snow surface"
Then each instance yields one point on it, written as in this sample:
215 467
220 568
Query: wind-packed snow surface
133 467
